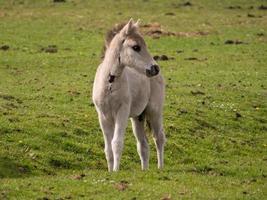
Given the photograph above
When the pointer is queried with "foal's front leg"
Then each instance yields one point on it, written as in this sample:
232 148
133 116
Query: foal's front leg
107 127
118 138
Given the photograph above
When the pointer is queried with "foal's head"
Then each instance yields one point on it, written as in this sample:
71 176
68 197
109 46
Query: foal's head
128 48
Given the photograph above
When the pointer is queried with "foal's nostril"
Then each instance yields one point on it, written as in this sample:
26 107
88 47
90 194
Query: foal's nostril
155 69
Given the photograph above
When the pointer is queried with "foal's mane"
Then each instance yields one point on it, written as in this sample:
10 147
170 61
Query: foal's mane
110 35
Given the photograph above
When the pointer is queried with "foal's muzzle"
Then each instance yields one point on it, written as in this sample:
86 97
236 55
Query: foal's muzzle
153 71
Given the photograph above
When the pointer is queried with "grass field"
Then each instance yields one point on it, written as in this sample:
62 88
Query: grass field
215 113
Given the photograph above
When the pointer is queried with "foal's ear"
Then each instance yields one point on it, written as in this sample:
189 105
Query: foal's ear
128 28
137 23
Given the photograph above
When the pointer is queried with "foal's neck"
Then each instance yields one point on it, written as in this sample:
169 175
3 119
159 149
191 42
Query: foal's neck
112 64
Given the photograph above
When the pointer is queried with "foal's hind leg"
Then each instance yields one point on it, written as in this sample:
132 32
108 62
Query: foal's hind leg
142 144
155 121
107 127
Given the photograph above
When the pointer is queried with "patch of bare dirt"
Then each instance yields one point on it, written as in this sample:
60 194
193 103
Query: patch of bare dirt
122 185
162 58
50 49
74 92
4 47
254 16
251 15
197 92
6 97
170 14
10 98
186 4
234 7
262 7
166 197
260 34
182 111
156 31
234 42
78 177
195 59
191 58
192 34
59 1
238 115
2 14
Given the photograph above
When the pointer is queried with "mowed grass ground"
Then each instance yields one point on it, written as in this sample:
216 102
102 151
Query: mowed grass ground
215 114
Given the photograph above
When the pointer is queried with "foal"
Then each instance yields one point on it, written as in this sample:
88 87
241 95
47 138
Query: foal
128 84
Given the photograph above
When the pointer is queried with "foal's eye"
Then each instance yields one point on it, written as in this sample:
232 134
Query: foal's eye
136 48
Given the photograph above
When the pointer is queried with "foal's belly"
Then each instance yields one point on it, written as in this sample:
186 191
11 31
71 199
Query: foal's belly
137 109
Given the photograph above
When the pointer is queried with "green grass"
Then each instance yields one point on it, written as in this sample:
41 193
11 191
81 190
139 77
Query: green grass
49 131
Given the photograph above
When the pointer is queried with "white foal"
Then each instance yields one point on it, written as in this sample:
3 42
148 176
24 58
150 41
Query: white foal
128 84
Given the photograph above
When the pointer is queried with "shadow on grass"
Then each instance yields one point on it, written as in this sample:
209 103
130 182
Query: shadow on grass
12 169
